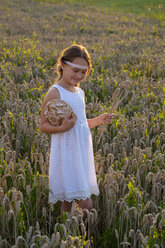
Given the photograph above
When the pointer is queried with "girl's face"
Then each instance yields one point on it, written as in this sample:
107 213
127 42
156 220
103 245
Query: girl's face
72 75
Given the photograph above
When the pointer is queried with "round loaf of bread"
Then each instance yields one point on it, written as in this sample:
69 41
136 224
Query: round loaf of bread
56 111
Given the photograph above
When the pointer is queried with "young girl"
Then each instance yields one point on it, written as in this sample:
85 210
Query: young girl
72 171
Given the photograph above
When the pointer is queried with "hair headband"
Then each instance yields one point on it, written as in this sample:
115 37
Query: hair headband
76 66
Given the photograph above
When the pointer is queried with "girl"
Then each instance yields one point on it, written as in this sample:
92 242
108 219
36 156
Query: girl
71 171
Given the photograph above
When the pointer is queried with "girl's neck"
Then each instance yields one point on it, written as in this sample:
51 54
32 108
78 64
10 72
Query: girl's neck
67 86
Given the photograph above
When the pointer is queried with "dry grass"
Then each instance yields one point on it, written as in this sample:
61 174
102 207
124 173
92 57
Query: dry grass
130 160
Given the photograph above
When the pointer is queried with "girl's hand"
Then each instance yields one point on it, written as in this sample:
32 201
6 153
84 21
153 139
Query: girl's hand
106 118
68 123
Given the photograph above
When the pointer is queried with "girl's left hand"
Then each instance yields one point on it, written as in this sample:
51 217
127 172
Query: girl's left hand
106 118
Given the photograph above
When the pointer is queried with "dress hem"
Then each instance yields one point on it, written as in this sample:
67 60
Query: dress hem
62 197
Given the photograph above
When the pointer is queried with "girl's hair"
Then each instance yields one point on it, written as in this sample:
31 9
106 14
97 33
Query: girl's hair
69 54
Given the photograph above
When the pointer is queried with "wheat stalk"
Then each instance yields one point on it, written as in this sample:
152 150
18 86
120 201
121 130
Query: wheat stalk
117 97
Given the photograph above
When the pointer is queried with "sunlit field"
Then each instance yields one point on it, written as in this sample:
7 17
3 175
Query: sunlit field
145 8
128 54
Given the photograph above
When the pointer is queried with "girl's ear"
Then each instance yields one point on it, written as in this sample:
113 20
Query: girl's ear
62 65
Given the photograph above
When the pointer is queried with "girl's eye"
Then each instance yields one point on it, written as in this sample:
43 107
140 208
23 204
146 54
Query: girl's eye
83 72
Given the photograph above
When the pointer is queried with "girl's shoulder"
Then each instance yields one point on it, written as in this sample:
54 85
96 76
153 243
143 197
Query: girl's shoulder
81 91
53 90
52 93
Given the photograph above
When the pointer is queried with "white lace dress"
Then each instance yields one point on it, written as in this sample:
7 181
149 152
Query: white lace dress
71 169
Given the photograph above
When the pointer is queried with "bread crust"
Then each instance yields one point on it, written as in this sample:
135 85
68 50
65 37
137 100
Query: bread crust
57 110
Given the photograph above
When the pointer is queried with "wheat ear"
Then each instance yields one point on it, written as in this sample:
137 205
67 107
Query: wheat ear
118 97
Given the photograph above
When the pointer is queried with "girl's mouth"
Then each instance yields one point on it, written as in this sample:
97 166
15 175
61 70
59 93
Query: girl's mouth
76 80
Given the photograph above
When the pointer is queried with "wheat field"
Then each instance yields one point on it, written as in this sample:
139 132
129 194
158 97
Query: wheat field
128 54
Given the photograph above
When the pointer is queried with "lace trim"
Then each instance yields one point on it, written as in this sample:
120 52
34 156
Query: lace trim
70 196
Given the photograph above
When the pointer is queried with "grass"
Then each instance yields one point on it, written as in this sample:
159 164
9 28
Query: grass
146 8
129 160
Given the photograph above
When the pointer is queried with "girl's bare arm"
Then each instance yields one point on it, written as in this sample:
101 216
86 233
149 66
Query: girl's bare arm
101 119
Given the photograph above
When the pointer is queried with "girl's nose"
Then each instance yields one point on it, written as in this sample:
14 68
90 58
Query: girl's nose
79 76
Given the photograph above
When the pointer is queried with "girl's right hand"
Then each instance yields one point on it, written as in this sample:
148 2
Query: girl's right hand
68 122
